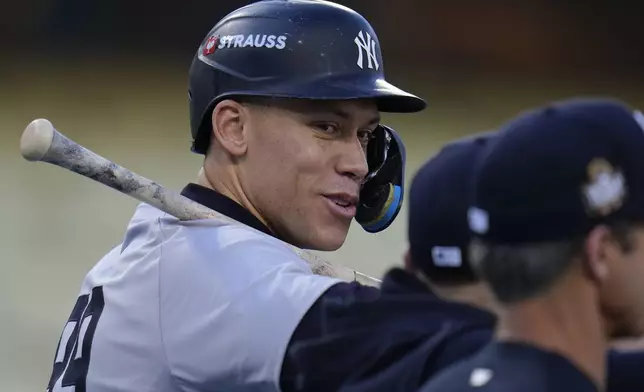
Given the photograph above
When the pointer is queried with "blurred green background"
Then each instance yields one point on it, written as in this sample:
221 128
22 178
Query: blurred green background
112 75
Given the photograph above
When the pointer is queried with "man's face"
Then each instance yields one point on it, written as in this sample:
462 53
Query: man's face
622 294
304 167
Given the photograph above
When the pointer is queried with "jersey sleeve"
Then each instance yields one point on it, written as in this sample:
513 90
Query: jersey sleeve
228 312
315 347
388 343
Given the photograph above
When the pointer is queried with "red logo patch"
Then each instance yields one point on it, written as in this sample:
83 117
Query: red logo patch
211 45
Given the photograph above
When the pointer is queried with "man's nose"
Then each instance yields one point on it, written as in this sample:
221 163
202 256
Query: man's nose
353 160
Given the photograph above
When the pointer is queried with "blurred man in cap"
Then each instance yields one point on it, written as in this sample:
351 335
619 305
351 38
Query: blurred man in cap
558 218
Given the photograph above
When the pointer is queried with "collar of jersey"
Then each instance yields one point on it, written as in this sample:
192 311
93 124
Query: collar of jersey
224 205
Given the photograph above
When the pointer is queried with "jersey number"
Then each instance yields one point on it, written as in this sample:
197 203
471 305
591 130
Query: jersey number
75 345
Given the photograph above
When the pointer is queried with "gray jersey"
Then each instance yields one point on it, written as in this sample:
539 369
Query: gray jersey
185 306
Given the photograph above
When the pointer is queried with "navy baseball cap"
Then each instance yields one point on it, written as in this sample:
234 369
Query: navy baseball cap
438 201
555 172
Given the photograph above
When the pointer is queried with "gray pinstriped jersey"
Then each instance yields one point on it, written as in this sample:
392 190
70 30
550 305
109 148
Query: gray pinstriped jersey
185 306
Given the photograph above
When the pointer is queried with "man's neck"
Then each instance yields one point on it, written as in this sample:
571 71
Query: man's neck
216 184
568 323
203 180
473 294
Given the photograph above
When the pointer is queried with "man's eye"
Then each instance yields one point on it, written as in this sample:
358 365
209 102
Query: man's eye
327 127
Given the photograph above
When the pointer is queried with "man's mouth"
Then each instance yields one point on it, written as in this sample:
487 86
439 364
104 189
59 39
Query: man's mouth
343 199
343 204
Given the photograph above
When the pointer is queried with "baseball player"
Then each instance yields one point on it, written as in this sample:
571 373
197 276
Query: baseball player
284 99
434 311
558 218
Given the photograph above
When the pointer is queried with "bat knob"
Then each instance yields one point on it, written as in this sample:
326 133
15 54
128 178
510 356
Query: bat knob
36 139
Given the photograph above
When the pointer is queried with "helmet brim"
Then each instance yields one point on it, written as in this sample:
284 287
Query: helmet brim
392 99
389 98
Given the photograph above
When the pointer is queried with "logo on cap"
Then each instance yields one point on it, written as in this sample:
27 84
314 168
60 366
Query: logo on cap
368 46
211 45
639 117
606 190
478 220
268 41
447 256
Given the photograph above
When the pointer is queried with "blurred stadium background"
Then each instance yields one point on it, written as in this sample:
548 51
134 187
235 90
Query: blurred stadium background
112 75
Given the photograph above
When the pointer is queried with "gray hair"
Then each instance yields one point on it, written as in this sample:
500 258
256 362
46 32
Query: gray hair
518 272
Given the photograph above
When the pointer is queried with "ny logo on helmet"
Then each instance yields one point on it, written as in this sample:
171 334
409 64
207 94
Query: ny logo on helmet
368 46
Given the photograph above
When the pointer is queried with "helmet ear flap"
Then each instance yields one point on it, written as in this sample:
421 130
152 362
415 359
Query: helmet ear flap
381 197
377 150
387 205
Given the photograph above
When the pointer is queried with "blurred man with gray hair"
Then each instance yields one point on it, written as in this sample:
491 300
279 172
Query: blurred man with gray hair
557 214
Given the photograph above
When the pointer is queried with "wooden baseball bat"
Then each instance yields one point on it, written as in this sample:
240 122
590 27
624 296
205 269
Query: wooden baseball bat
41 142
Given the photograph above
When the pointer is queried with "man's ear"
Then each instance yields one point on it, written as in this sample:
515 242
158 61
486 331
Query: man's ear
229 120
407 262
599 251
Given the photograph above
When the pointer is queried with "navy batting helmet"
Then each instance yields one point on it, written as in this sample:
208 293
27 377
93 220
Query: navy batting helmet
308 49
